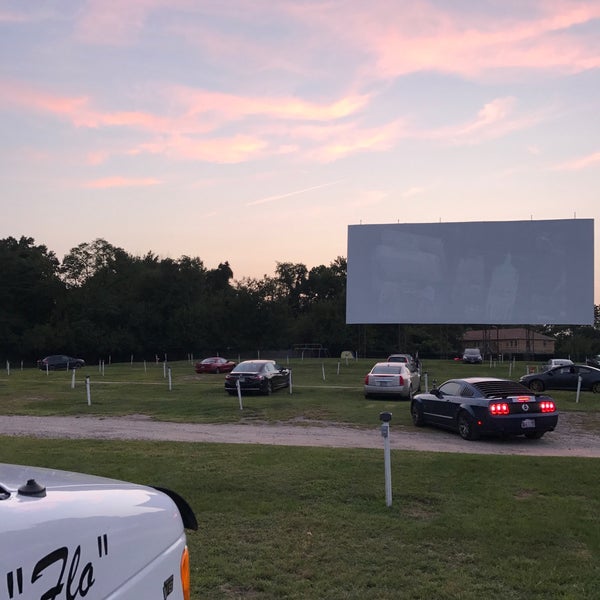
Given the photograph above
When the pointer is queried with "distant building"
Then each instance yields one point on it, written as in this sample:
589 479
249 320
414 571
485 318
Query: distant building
514 341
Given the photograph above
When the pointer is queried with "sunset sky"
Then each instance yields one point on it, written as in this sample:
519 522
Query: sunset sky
256 131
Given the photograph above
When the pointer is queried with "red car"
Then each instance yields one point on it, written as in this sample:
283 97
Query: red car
214 364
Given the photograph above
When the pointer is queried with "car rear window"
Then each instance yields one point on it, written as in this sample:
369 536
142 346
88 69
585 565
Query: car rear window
501 388
387 370
249 367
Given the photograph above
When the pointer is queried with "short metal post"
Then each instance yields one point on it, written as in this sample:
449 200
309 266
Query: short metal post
88 391
385 418
239 392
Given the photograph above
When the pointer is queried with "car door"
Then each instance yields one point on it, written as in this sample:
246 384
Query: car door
588 377
454 392
415 377
437 408
563 378
280 376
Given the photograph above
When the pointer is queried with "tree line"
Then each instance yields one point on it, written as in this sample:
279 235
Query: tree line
100 301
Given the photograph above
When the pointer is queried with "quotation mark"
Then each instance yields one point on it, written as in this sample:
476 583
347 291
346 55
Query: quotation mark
10 582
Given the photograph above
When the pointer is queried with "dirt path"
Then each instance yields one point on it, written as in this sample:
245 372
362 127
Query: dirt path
570 439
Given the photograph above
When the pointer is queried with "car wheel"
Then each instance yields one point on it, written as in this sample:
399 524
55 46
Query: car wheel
217 370
534 435
596 388
416 413
268 389
536 385
466 426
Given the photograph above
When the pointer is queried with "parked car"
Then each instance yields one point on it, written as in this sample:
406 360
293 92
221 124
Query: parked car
478 406
260 376
73 536
557 362
392 379
472 356
214 364
564 378
58 362
408 359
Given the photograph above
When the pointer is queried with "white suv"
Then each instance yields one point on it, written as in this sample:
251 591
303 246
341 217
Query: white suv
74 536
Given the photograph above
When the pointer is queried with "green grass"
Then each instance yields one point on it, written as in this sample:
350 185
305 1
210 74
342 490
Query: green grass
296 523
323 390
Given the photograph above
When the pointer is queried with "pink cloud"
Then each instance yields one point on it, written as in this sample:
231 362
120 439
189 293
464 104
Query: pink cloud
225 150
578 164
495 119
421 37
230 106
114 22
118 182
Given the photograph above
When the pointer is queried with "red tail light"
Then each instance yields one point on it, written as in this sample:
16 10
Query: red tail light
547 406
499 408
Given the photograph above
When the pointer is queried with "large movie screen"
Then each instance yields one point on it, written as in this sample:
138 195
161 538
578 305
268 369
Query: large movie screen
497 273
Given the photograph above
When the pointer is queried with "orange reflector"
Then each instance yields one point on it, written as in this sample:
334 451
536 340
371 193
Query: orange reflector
185 573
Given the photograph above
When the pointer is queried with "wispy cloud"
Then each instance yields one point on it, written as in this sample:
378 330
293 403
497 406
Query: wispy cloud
423 37
412 192
580 163
120 182
495 119
294 193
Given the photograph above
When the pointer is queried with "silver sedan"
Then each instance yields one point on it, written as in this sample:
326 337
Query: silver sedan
392 379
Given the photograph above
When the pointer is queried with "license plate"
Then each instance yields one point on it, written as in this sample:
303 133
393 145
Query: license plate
383 383
527 423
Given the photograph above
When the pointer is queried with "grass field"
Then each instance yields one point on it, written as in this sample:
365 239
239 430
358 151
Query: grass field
322 390
285 522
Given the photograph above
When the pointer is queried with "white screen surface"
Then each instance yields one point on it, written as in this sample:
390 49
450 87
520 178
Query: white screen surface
504 272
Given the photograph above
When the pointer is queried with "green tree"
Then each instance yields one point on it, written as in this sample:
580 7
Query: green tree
28 294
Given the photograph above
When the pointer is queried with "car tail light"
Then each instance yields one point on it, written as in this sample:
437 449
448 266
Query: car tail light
499 408
547 406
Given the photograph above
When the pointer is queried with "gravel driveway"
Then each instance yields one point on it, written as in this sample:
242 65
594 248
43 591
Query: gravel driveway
570 439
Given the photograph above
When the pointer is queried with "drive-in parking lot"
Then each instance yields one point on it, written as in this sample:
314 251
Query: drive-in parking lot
570 439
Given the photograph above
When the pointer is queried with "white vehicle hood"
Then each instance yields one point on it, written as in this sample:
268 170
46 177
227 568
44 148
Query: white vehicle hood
70 535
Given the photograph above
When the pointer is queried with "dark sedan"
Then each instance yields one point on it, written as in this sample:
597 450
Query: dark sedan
58 362
214 364
260 376
478 406
564 378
